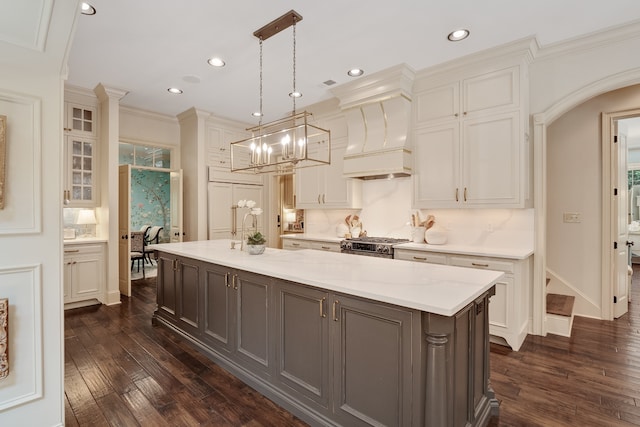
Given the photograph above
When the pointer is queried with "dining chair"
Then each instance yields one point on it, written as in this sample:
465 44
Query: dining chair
137 249
153 236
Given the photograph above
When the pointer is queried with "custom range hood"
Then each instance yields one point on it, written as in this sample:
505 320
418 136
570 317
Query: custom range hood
378 113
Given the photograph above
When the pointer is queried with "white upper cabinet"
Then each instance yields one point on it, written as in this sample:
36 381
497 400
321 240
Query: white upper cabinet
80 119
219 141
324 187
80 156
470 144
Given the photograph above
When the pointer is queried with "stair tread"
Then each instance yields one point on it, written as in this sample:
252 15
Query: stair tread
562 305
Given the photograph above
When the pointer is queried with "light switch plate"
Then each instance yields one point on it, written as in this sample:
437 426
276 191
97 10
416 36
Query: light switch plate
573 217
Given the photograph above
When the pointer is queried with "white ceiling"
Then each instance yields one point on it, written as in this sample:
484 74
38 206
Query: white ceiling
147 46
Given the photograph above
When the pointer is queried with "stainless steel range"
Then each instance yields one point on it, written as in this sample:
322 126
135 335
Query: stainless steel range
371 246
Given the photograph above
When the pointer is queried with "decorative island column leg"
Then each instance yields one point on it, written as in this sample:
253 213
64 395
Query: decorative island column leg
436 396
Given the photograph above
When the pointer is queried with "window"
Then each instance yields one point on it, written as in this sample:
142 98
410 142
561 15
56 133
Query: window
144 155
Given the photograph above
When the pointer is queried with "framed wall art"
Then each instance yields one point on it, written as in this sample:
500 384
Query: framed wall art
3 158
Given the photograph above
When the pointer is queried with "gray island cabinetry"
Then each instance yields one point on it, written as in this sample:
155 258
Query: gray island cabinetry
337 346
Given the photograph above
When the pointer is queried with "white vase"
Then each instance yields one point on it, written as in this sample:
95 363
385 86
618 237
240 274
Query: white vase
436 235
341 230
417 234
255 249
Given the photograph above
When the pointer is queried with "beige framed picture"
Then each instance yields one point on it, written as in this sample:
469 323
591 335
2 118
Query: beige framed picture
3 157
4 338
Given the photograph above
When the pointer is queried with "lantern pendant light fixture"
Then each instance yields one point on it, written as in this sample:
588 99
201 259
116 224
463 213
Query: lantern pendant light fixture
286 144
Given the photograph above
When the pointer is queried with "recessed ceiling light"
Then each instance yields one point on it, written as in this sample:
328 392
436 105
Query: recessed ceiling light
175 90
355 72
216 62
295 95
457 35
257 114
87 9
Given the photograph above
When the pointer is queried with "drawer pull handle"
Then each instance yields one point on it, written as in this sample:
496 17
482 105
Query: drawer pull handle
326 247
335 303
295 244
234 281
475 264
226 279
457 200
420 258
70 251
322 312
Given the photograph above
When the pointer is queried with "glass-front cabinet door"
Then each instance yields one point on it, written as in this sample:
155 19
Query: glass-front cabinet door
81 163
80 119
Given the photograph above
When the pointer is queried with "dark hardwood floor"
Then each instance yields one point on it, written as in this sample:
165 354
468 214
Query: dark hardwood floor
122 371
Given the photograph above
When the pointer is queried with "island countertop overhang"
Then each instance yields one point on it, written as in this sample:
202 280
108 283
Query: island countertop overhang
432 288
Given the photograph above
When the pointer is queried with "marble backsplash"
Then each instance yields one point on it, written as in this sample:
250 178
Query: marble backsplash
387 212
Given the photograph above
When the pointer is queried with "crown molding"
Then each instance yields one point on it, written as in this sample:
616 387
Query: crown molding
525 49
590 41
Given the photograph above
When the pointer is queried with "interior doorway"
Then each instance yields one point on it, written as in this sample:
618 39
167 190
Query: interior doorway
147 197
620 204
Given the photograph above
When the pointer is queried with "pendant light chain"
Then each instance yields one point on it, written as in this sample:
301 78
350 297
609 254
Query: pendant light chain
294 93
260 121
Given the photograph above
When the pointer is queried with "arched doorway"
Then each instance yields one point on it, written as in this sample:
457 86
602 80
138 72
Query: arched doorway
541 122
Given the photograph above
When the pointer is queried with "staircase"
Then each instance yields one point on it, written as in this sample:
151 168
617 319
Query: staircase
559 313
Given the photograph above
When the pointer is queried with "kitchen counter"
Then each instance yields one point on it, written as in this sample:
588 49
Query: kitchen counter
438 289
511 252
505 251
301 327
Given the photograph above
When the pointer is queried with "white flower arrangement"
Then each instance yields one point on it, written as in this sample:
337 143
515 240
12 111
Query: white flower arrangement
251 205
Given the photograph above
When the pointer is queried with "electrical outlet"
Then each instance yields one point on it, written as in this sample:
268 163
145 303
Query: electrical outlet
573 217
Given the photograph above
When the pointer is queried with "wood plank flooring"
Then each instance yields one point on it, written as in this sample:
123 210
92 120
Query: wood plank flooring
122 371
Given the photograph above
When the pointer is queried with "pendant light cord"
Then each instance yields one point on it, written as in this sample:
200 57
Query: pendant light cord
294 68
260 121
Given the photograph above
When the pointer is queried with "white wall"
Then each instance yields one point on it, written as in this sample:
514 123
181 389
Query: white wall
566 68
31 96
150 128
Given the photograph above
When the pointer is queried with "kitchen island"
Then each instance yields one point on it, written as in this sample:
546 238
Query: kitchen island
335 339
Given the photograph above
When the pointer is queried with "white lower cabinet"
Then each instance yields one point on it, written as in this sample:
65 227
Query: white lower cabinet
297 244
509 310
84 274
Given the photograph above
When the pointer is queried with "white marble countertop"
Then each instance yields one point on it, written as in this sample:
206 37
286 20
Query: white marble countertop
511 252
84 240
314 237
432 288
